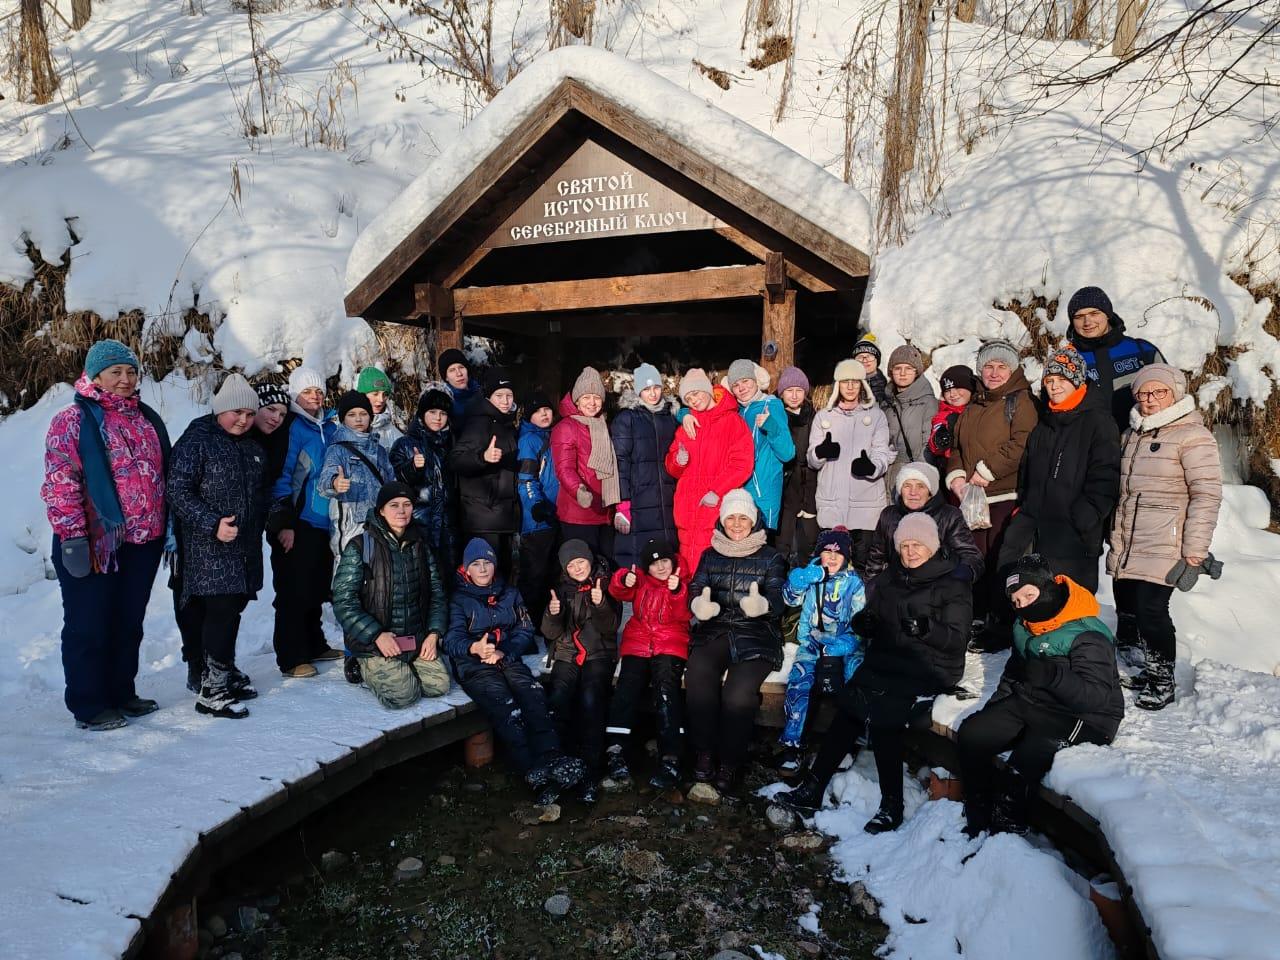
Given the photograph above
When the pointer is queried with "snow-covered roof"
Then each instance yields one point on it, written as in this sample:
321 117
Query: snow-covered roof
741 150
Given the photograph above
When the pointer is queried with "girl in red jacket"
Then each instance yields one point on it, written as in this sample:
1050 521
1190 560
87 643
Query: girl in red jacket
655 646
586 466
706 467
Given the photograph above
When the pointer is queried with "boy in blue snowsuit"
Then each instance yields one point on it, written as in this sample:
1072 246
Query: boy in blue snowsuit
829 593
537 485
766 418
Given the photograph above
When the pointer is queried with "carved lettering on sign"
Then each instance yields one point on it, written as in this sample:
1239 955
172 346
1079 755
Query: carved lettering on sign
596 194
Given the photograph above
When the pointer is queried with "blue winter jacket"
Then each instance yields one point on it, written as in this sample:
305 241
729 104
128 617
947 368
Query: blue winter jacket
461 400
536 480
827 605
497 610
436 506
641 439
297 487
773 448
347 511
1114 359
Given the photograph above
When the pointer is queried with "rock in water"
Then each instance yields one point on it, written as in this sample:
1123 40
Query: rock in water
704 793
557 905
803 841
410 868
780 817
331 861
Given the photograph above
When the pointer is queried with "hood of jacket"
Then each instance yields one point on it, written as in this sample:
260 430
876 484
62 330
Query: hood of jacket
529 429
435 439
108 401
345 434
723 404
919 389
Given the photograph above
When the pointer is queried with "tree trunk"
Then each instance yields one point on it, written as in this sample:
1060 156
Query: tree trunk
81 11
965 10
902 115
1127 19
1079 29
35 52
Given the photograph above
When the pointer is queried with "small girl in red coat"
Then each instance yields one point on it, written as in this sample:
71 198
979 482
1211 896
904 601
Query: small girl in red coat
655 646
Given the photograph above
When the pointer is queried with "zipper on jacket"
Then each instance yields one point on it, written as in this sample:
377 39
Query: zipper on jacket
1133 526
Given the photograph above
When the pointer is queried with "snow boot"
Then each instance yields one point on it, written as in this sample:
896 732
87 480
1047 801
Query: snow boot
138 707
887 818
619 774
727 780
1159 690
790 761
194 673
351 670
977 816
241 686
589 791
106 720
704 767
667 775
216 698
806 798
547 795
566 771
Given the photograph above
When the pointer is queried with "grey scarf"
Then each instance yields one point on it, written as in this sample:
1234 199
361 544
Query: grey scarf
737 548
603 460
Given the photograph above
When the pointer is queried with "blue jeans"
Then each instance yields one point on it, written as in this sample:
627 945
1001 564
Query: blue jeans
102 627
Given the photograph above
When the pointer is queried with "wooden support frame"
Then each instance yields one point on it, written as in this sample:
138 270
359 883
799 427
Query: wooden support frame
609 293
778 334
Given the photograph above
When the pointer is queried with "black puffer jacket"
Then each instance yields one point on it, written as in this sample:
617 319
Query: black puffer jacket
799 480
641 439
954 533
436 504
1068 488
385 583
919 624
487 491
214 475
730 579
582 631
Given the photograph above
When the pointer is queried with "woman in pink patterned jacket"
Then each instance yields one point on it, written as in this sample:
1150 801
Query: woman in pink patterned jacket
103 487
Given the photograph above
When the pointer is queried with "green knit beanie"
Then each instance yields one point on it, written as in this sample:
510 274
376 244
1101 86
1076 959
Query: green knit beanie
372 380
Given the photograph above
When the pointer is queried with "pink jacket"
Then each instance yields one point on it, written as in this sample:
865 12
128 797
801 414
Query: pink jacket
570 452
137 465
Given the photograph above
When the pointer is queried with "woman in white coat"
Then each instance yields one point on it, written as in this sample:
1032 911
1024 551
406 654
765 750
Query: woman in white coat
849 447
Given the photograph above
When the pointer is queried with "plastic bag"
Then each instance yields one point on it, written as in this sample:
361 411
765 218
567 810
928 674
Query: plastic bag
974 507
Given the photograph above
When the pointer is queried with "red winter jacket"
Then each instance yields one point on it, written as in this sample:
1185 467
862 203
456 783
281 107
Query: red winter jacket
947 414
570 451
659 621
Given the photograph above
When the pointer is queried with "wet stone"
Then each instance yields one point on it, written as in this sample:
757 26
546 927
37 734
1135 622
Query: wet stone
780 817
557 905
332 861
629 821
803 841
531 815
704 793
410 868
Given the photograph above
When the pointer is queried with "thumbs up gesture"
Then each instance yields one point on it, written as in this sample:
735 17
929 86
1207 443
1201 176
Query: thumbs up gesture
703 607
862 467
673 581
227 529
682 455
419 460
828 449
492 454
553 607
597 593
630 578
761 418
340 483
754 605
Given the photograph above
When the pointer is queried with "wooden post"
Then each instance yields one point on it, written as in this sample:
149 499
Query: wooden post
779 333
551 358
1128 16
448 335
175 938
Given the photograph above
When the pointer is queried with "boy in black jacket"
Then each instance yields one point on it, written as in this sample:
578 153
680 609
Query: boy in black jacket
581 629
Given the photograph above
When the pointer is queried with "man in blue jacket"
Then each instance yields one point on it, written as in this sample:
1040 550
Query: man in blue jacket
1113 358
301 562
766 418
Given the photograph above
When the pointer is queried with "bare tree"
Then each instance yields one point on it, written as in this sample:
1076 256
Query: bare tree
902 114
35 52
81 11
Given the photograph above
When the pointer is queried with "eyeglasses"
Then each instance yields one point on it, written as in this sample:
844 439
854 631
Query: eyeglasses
1158 394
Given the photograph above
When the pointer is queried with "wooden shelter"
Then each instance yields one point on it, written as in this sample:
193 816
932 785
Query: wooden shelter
587 220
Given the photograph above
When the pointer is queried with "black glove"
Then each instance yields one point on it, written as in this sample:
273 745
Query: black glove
542 511
864 623
1039 672
75 557
915 626
862 466
828 449
942 436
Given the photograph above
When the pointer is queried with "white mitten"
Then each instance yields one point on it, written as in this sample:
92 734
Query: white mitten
754 605
583 496
703 607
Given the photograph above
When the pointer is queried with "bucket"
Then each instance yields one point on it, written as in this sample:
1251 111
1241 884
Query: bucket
477 750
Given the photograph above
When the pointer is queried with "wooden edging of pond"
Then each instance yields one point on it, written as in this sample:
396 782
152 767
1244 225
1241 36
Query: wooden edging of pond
1058 817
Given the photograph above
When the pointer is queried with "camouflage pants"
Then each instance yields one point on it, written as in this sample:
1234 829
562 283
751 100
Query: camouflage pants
397 684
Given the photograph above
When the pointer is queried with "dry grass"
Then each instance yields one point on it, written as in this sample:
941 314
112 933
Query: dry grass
719 77
1033 312
773 50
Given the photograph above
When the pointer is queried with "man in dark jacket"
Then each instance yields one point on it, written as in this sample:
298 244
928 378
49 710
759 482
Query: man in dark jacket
1070 477
390 601
1113 358
798 519
1059 687
485 460
917 490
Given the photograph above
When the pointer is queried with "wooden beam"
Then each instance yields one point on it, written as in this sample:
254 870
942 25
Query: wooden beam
795 272
433 301
728 283
585 326
779 334
775 276
451 278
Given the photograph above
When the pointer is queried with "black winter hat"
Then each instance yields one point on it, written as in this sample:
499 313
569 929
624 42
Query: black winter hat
535 401
657 549
1090 297
434 399
496 379
350 401
389 491
572 550
958 376
269 393
1032 570
448 358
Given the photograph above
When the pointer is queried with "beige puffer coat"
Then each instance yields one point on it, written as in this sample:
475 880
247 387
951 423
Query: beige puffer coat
1170 492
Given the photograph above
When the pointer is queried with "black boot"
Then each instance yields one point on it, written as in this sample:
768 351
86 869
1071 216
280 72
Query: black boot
1159 690
194 672
1013 805
242 687
351 670
138 707
727 779
888 817
619 774
565 770
589 791
806 798
977 816
106 720
215 696
667 775
790 761
704 767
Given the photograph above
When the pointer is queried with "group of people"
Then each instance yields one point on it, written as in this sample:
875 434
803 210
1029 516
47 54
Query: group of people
676 547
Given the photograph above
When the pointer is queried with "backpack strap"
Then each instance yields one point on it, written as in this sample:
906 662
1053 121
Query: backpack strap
367 462
1010 407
